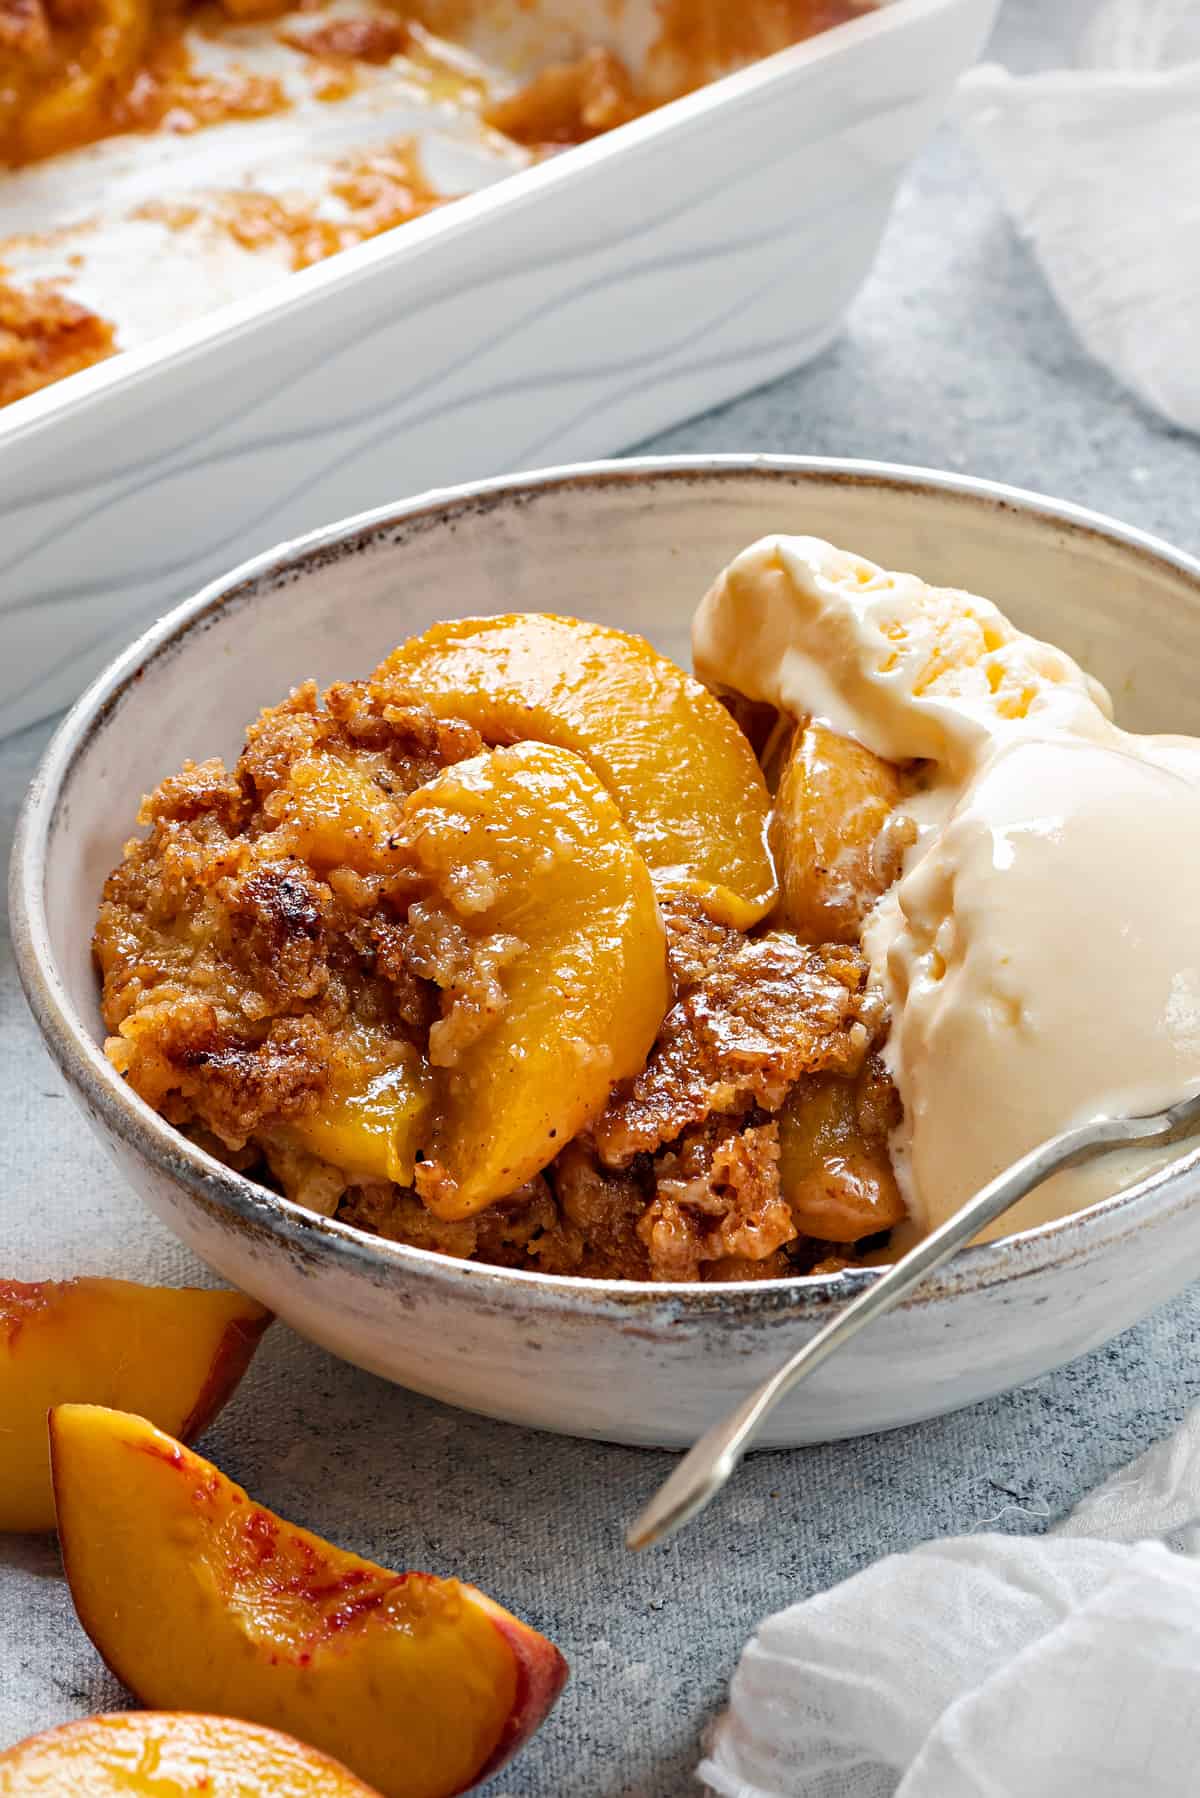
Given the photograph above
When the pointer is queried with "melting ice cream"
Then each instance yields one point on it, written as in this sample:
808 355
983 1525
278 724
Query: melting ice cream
1040 951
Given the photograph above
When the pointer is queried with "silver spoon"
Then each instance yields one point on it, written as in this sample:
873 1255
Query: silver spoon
709 1463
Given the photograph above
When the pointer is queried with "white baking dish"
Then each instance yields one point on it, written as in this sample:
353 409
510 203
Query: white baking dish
565 312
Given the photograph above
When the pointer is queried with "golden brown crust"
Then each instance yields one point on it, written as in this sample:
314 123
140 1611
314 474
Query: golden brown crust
717 1197
254 953
467 971
269 944
767 1015
600 1212
696 943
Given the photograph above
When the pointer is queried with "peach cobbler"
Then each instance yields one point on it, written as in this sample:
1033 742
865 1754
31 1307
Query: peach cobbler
527 948
533 948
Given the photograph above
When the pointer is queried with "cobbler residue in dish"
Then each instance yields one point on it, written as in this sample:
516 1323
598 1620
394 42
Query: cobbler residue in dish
76 71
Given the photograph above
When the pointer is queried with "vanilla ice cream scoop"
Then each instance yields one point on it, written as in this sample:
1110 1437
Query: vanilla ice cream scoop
909 670
1040 952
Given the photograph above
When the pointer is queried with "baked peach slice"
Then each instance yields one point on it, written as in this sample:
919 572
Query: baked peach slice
97 59
837 1180
372 1132
171 1754
685 778
835 834
526 862
201 1600
175 1354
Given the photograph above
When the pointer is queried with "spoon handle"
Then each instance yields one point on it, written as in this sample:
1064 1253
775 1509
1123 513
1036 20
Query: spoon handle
710 1461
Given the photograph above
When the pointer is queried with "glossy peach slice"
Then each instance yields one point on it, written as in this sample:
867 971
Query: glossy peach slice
200 1600
523 849
96 62
682 773
374 1133
833 854
174 1354
171 1754
838 1181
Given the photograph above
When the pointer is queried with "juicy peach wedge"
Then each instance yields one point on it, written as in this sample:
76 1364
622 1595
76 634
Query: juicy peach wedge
69 110
201 1600
838 1183
525 846
165 1754
685 778
373 1133
174 1354
832 804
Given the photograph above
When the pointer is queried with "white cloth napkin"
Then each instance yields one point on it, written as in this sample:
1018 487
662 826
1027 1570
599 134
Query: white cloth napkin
1062 1666
1099 165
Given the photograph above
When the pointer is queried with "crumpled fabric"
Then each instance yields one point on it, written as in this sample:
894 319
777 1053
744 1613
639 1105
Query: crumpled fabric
1099 165
1060 1666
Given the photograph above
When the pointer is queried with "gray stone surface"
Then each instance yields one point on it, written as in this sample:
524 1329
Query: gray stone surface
954 356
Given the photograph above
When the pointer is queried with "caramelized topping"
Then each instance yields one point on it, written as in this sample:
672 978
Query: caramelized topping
370 40
421 984
770 1014
701 39
44 336
568 102
376 191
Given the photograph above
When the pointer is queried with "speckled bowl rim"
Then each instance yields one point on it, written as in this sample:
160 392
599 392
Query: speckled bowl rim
214 1186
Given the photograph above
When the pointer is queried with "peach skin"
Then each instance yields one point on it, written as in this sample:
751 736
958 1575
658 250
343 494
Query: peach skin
523 853
684 776
171 1754
200 1600
174 1354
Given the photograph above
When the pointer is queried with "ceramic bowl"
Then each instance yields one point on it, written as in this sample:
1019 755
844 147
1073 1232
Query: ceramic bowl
633 544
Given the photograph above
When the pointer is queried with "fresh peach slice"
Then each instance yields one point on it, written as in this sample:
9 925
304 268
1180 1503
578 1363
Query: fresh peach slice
171 1754
680 770
201 1600
174 1354
529 866
832 852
